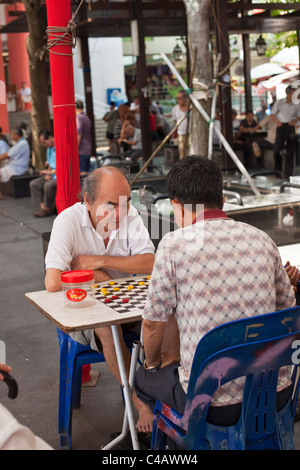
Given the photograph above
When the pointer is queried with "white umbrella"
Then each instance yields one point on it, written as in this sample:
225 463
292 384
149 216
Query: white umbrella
266 70
287 57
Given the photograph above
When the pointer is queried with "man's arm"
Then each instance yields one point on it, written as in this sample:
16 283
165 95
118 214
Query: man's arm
135 264
153 333
3 156
53 278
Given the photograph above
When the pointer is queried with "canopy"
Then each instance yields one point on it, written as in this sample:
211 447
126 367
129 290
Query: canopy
266 70
287 57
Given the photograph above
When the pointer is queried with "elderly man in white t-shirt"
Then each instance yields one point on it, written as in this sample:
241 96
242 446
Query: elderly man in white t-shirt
107 235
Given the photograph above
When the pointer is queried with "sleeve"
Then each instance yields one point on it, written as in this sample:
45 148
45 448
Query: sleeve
138 235
162 298
59 253
15 436
285 295
264 122
275 108
79 126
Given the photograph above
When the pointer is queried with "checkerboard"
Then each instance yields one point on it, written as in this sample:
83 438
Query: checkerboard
124 296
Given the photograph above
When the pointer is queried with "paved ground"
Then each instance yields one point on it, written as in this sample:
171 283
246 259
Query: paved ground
31 341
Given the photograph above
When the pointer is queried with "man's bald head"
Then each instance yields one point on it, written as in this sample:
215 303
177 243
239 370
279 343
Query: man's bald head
104 180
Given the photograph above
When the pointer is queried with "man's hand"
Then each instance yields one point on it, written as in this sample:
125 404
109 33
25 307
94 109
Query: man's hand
86 262
293 273
4 368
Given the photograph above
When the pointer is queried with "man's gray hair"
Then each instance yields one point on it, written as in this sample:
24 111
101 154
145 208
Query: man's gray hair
91 184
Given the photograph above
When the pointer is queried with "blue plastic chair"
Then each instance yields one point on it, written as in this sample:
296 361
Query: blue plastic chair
255 348
73 356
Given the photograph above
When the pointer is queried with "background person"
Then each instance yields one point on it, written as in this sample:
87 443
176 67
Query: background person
84 135
15 160
43 189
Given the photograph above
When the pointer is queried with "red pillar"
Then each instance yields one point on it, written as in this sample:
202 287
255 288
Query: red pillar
4 123
18 56
64 117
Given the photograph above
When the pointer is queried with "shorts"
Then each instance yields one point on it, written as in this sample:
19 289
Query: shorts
109 135
88 337
5 173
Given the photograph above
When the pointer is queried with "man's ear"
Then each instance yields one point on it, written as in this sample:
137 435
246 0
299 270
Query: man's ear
86 200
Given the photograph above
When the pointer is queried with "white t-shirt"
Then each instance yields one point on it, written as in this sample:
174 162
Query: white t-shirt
73 234
15 436
285 111
176 116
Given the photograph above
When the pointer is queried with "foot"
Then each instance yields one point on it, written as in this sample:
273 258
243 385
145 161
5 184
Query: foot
42 213
145 421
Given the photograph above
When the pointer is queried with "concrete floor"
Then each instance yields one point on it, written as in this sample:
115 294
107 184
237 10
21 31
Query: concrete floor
32 347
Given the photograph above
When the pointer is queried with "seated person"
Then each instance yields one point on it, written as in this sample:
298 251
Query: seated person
100 234
247 125
43 189
203 283
15 160
163 128
133 138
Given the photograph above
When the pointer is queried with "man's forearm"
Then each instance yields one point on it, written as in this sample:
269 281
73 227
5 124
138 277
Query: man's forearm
136 264
3 156
153 333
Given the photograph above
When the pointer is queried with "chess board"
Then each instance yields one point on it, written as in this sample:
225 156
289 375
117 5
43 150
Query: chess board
124 296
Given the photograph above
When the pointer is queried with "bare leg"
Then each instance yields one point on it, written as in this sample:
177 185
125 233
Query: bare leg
144 423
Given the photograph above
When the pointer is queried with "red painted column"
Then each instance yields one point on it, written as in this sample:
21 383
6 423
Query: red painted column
4 123
64 117
18 56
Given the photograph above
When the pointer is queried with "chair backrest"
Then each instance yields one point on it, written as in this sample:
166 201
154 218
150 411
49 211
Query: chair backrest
255 348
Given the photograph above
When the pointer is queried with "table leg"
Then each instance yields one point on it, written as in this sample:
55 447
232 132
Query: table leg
127 387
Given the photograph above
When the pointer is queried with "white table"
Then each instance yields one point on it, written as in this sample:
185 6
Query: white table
68 319
290 253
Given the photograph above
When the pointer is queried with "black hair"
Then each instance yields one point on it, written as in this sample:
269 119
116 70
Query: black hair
18 131
45 134
196 180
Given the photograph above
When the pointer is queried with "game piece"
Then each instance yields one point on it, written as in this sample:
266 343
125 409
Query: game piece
107 300
111 283
135 297
130 287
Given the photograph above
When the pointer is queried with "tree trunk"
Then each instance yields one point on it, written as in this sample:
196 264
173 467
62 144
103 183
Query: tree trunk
197 12
38 67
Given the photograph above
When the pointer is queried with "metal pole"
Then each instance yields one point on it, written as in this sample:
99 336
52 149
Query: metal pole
218 132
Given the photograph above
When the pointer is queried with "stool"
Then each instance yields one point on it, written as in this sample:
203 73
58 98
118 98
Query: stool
73 356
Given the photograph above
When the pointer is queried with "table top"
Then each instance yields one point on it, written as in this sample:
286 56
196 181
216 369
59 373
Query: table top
262 202
290 253
68 318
